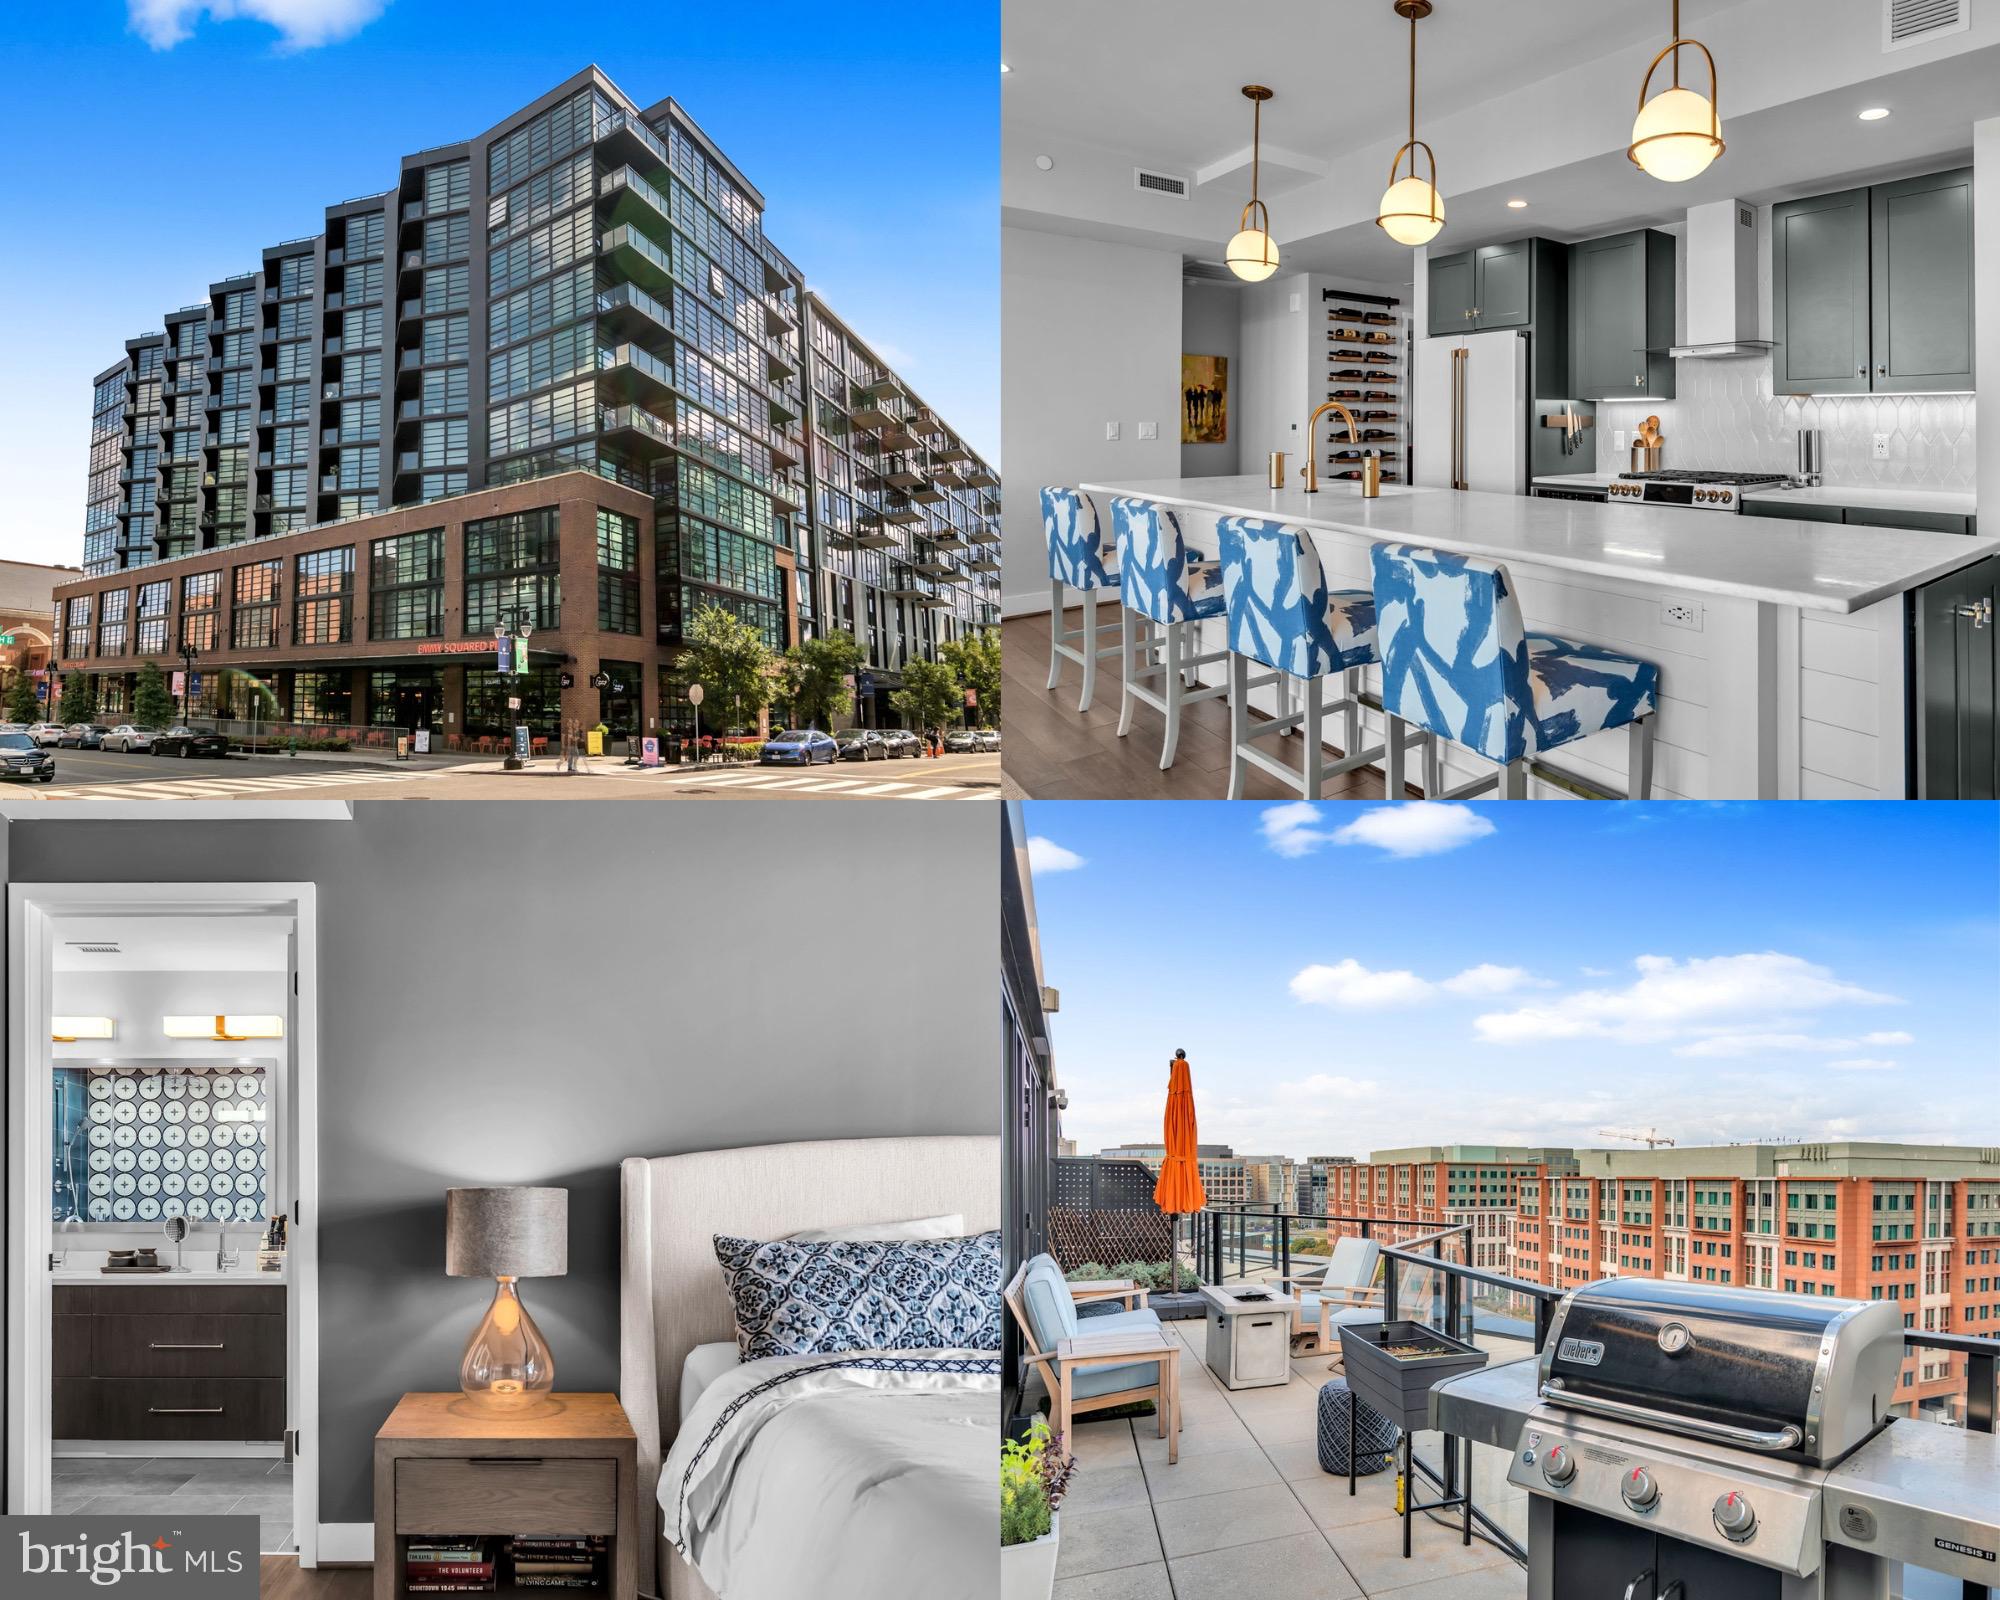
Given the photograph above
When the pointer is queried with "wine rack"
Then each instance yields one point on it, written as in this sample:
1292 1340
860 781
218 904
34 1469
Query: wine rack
1366 351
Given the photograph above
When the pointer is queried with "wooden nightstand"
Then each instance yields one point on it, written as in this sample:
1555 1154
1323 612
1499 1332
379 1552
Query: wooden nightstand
442 1468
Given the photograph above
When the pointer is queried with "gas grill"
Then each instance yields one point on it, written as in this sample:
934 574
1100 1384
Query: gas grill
1694 1442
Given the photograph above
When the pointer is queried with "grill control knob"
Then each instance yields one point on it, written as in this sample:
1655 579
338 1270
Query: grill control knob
1558 1466
1728 495
1733 1517
1639 1490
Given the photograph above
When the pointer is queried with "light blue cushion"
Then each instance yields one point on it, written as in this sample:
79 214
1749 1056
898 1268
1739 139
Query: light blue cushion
1141 1320
1309 1309
1159 576
1093 1381
1078 553
1457 661
1046 1299
1281 611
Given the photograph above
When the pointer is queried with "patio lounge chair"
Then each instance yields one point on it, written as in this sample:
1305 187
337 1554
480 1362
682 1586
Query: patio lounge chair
1344 1291
1044 1308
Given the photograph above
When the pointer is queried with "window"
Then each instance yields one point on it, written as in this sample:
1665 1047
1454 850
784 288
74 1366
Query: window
406 586
487 692
511 572
323 610
201 593
112 607
322 696
154 601
617 572
253 607
448 187
76 635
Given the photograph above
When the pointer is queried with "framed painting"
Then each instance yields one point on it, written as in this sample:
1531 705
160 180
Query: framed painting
1204 399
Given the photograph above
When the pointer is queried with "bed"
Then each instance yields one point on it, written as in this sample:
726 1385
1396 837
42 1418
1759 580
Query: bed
674 1305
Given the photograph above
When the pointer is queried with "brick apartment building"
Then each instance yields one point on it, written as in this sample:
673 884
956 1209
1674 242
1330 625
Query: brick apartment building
1224 1174
1439 1186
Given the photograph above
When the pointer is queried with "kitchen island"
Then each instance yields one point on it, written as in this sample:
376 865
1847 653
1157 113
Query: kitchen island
1780 643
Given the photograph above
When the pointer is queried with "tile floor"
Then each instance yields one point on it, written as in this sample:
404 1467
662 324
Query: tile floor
259 1486
1247 1508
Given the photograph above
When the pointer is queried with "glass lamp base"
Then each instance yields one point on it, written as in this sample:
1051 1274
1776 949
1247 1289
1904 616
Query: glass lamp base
507 1365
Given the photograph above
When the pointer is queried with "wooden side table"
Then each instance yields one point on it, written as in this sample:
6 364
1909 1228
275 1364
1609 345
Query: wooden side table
443 1468
1116 1349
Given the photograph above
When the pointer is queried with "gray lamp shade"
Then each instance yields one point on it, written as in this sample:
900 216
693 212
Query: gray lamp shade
506 1233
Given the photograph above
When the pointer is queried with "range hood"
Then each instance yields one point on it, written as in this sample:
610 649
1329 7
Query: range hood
1721 284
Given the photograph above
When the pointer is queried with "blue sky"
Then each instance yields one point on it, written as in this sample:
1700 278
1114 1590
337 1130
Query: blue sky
873 132
1346 979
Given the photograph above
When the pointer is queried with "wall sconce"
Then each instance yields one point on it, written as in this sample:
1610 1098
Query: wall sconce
67 1030
223 1029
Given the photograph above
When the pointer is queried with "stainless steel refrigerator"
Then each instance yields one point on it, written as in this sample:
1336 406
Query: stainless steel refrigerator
1472 412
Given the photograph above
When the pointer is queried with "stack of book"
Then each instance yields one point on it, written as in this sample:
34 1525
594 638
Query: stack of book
448 1566
542 1561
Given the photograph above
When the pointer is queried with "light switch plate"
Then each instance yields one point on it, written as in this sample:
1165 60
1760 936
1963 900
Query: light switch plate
1298 301
1111 430
1149 430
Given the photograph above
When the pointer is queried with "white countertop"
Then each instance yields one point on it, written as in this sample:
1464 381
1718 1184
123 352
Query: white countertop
1874 496
1818 566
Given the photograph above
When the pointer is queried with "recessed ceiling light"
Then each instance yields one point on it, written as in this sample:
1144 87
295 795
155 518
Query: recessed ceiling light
1517 205
1874 113
1045 163
1005 68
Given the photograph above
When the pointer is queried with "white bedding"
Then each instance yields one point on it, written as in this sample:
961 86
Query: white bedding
705 1363
862 1475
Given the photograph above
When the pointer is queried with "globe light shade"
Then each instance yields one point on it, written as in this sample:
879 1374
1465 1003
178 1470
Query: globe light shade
1252 255
1412 211
1676 135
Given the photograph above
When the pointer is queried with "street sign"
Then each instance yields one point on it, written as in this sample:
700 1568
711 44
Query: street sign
694 694
649 751
514 704
520 655
6 638
520 742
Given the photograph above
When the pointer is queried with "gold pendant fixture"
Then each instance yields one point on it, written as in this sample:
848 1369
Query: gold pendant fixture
1412 211
1253 254
1679 131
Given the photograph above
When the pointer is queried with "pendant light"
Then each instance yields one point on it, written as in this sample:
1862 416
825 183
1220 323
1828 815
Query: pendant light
1411 211
1253 254
1678 132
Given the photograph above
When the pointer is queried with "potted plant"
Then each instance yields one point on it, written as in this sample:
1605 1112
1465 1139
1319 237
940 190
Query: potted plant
1034 1475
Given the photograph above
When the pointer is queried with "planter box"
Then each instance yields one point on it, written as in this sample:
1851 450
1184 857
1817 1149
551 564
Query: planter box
1399 1387
1028 1571
1174 1305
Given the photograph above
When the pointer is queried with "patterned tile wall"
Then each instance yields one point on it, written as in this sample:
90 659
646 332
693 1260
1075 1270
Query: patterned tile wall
1727 419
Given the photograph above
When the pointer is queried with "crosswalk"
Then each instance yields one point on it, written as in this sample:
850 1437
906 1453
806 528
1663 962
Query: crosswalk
835 783
224 788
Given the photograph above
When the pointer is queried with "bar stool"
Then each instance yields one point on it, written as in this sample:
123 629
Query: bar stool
1166 587
1283 615
1077 557
1457 662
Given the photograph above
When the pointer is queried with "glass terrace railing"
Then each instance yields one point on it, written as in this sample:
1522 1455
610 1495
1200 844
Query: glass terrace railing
626 122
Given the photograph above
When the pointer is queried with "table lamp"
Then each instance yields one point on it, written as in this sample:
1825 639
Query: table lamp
506 1234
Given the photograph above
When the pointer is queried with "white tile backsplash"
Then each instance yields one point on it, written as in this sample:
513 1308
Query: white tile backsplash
1727 419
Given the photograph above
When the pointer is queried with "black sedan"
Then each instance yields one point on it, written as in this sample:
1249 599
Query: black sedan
82 736
861 744
21 757
190 742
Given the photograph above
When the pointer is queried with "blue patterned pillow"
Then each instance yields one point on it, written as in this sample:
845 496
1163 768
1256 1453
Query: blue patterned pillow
798 1298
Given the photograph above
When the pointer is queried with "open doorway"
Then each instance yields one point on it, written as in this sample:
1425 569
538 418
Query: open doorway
162 1132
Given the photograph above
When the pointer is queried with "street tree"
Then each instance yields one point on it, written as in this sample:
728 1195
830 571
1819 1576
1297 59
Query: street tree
22 706
930 695
975 663
152 704
733 665
815 674
79 698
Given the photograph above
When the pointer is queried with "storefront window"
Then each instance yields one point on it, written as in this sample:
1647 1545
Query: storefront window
487 693
322 697
511 573
407 697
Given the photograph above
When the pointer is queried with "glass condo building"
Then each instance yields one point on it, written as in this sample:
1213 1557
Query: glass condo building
338 472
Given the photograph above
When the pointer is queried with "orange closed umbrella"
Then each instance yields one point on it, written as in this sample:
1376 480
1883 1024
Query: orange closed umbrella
1179 1189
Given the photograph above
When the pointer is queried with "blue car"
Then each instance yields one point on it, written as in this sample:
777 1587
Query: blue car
799 747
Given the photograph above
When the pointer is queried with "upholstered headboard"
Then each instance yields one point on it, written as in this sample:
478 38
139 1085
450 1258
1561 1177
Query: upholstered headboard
672 1294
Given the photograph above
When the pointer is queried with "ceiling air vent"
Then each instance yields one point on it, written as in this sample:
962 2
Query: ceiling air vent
1908 22
1167 183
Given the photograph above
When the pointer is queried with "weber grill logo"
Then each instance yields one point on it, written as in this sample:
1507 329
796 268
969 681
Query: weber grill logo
162 1557
1583 1352
1958 1549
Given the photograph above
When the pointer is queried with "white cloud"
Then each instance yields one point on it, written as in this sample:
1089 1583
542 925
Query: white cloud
1292 829
1046 856
1486 978
1679 999
301 24
1863 1064
1724 1043
1349 985
1416 828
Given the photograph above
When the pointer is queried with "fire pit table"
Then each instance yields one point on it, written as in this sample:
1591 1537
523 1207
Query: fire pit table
1249 1334
1390 1367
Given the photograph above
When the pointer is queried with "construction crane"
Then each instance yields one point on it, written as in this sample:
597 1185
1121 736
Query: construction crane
1652 1138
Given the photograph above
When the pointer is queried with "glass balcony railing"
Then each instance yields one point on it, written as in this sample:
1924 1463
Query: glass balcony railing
630 359
632 253
630 299
623 191
628 125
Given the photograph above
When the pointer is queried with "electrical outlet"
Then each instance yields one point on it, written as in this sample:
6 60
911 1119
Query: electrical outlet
1618 439
1111 430
1149 430
1881 447
1681 614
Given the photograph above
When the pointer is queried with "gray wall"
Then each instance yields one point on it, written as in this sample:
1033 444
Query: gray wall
528 993
1210 326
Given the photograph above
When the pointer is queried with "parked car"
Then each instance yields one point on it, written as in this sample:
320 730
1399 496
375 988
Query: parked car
22 757
861 744
986 738
961 741
45 733
902 742
82 736
799 747
185 741
128 737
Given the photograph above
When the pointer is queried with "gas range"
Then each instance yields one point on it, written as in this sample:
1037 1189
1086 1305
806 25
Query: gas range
1704 491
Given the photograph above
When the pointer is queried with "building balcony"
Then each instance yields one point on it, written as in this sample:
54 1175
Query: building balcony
899 471
901 511
409 463
950 449
927 493
629 373
949 475
786 455
628 309
413 260
332 347
871 533
636 257
977 475
336 257
624 135
780 316
625 197
329 483
412 309
876 405
636 424
905 583
924 421
985 559
779 367
950 539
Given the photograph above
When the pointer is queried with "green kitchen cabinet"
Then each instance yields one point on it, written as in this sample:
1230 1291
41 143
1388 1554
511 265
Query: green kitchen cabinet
1521 284
1799 512
1954 688
1621 317
1819 294
1454 291
1924 521
1920 269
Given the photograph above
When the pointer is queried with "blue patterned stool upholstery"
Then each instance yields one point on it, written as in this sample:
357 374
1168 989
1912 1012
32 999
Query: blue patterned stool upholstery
1375 1436
1457 661
1080 557
1165 588
1284 615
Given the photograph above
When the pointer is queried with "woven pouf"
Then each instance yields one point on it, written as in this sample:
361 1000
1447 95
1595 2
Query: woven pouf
1375 1436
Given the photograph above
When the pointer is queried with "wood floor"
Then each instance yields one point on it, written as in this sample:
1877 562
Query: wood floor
281 1578
1055 754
